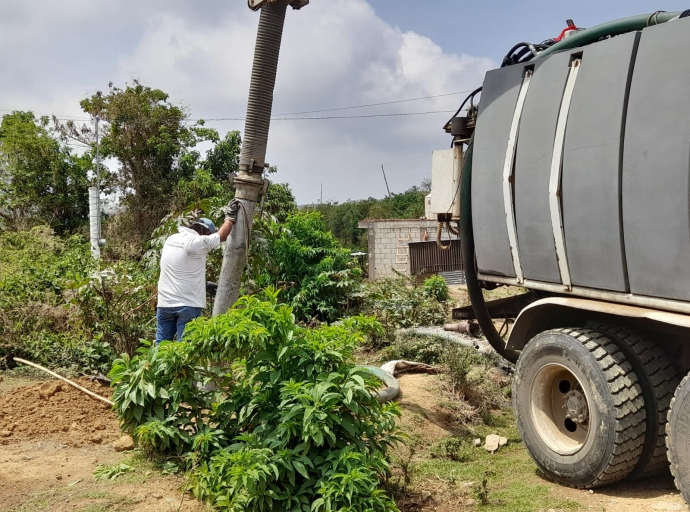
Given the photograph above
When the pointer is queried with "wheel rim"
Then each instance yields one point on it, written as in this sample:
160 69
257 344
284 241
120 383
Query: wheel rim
560 409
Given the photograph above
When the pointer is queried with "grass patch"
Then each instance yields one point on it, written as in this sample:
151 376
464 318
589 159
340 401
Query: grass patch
511 480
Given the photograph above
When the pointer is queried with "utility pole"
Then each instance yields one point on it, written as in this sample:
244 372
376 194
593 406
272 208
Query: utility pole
321 200
384 179
95 204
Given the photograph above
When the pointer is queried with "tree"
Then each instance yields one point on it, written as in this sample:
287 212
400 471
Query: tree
280 201
343 219
148 135
41 181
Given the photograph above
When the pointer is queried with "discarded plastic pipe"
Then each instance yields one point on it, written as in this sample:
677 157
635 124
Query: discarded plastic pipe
77 386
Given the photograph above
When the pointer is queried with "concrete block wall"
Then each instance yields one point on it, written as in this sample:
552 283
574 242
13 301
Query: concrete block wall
388 243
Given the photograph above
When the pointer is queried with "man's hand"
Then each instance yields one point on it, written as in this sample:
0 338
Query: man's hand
231 210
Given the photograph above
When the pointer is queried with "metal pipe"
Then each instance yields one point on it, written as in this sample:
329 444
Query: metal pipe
465 326
249 182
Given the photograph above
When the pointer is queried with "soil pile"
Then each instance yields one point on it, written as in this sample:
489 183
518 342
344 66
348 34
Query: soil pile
58 411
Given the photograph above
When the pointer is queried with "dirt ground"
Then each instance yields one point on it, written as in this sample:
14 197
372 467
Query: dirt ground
50 446
54 444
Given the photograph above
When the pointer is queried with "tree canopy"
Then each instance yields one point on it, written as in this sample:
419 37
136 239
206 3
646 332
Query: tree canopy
41 181
149 136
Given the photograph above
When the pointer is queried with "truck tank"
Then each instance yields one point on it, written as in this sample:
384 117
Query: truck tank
581 170
576 186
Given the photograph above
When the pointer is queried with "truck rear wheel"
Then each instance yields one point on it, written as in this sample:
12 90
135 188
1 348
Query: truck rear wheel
658 379
677 439
579 408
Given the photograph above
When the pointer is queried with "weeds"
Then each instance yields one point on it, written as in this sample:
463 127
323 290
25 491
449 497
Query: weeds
424 348
398 303
103 472
452 448
481 491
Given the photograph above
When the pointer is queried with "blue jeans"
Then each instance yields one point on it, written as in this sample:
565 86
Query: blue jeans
173 320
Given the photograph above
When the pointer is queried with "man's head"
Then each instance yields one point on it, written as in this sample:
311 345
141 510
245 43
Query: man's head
203 226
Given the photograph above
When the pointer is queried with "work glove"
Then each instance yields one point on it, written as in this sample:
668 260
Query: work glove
231 210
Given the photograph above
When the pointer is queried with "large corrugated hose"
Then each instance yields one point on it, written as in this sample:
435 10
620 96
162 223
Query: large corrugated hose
468 262
255 140
264 70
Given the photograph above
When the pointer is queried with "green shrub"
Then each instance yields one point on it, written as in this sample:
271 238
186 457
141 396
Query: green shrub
423 348
115 303
294 425
398 303
467 376
452 448
317 274
436 287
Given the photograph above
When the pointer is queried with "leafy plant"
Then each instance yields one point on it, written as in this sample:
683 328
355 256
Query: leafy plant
103 472
116 301
481 491
410 346
436 287
294 425
452 448
398 303
317 274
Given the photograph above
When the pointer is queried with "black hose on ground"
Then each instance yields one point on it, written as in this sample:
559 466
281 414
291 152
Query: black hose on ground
468 262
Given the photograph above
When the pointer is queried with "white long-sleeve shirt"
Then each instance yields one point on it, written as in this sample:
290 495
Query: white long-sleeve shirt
182 280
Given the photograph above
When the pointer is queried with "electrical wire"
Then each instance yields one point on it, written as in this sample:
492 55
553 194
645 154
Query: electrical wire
282 116
371 104
328 117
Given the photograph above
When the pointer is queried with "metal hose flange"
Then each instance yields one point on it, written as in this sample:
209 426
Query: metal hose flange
468 261
393 386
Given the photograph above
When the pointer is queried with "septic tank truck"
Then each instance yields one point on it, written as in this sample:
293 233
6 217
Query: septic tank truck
575 186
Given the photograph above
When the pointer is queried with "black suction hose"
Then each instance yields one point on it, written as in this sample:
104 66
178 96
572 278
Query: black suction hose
468 260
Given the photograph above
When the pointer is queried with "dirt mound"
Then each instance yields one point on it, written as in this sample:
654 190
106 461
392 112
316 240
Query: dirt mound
58 411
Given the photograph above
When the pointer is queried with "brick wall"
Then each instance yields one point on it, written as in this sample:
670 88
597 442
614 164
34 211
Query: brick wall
388 241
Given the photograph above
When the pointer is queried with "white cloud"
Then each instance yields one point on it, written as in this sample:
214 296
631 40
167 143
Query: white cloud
335 53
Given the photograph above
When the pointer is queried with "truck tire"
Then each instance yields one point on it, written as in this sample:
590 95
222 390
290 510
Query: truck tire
579 409
658 379
677 440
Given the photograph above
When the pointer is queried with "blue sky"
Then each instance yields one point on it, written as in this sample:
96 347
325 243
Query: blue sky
491 27
336 53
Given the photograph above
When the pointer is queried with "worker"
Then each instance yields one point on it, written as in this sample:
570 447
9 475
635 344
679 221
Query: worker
182 281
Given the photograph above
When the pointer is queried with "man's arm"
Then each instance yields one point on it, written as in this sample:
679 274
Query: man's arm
231 211
224 230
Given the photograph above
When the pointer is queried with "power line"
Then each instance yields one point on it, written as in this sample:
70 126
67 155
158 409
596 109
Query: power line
372 104
329 117
351 107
